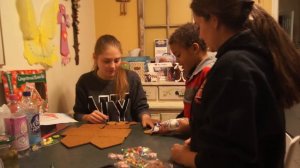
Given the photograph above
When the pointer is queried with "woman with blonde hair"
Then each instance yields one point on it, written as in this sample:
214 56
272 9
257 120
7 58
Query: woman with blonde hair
109 92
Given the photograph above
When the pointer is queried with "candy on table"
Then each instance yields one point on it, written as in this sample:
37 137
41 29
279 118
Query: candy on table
134 157
35 147
121 164
48 141
115 156
51 140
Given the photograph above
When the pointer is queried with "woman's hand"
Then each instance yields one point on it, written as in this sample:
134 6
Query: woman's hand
147 121
96 117
187 142
182 155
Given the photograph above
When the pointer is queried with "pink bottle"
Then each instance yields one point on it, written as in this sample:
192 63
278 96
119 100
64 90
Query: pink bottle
16 126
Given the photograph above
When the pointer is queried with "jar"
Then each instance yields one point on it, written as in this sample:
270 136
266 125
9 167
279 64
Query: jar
8 155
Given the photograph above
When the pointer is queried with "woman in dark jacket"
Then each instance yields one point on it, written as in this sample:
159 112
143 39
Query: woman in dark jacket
240 120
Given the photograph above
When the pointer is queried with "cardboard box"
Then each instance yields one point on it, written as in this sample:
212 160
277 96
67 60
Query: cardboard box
139 68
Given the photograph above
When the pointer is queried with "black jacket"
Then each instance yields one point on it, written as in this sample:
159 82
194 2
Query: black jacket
93 91
239 123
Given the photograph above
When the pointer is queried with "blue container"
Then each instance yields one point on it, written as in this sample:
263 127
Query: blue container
145 59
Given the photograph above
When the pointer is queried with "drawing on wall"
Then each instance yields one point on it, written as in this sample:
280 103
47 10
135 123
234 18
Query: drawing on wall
64 21
39 47
1 45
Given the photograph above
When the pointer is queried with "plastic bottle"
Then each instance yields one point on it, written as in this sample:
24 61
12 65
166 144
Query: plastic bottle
13 104
33 119
8 155
16 126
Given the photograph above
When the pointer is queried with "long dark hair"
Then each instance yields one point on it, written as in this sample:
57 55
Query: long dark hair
232 13
239 14
121 83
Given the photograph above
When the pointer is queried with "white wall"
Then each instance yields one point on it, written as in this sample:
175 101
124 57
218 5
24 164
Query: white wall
61 79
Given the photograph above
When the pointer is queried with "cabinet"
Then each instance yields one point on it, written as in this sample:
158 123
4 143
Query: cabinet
165 99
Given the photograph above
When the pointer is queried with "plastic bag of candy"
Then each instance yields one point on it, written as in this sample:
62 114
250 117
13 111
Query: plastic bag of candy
166 127
138 157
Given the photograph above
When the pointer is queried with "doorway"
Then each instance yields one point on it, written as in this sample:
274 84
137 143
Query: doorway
289 19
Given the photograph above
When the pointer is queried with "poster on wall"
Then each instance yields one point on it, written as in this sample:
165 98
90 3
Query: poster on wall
18 81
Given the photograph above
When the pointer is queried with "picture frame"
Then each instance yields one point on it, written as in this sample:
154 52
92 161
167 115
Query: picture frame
159 71
160 47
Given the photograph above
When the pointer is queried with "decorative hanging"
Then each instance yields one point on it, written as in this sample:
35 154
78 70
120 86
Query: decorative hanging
38 38
181 77
63 20
123 6
75 6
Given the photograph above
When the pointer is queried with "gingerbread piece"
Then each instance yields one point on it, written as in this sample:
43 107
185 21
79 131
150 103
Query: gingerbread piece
113 133
133 123
92 126
72 141
149 131
111 123
100 135
105 142
118 126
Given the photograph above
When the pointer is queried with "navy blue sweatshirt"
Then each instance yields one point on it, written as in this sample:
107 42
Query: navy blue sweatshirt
93 91
239 123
